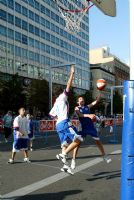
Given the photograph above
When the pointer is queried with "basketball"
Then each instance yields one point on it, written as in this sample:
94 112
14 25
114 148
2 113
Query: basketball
101 84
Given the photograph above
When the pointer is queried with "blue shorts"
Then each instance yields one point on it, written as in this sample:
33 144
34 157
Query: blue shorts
20 144
90 130
67 132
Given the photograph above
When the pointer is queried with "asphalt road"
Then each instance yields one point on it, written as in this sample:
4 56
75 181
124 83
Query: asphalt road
43 180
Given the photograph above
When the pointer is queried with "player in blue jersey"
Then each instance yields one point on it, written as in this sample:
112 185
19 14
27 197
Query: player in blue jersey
64 127
87 126
30 130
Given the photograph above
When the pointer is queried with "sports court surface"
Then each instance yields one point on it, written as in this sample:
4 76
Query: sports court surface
42 179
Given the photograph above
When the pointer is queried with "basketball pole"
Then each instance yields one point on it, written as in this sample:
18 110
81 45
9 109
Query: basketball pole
127 178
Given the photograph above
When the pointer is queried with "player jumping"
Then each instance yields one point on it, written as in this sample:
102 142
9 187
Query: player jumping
64 127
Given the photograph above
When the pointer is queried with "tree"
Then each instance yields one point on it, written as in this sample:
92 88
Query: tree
72 101
88 97
38 96
11 94
117 103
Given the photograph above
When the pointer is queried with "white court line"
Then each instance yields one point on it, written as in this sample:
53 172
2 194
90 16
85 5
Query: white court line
52 179
44 165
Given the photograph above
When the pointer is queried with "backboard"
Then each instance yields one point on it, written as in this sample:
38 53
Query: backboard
108 7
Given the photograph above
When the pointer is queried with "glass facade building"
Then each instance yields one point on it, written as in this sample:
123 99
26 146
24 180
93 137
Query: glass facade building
33 38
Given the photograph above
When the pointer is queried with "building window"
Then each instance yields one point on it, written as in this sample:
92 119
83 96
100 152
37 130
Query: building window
48 36
24 53
37 57
24 11
47 49
10 33
31 55
11 4
10 18
18 36
3 2
3 15
47 12
3 30
24 25
42 9
31 28
31 15
37 5
31 3
24 39
43 34
37 32
37 44
37 19
17 51
43 47
31 42
18 22
17 7
47 24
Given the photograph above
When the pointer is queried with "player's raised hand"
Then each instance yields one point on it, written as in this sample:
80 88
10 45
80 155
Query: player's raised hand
72 69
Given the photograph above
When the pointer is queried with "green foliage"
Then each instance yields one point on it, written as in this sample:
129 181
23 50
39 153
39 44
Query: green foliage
117 103
11 94
72 101
38 96
88 97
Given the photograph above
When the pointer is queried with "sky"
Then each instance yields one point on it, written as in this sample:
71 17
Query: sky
111 31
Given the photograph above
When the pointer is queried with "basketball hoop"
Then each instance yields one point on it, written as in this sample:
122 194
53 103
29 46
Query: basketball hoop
73 12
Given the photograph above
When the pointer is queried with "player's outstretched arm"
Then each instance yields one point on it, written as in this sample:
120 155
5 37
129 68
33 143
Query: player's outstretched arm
79 114
70 80
95 102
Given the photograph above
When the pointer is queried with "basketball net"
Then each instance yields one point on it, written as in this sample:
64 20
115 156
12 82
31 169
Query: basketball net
73 12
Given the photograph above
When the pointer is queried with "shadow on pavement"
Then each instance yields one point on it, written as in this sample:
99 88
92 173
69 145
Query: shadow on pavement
106 175
49 196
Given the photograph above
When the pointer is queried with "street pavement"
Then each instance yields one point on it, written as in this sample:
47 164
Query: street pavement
43 180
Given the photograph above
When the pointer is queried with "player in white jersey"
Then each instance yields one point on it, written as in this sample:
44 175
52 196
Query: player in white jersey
20 127
64 127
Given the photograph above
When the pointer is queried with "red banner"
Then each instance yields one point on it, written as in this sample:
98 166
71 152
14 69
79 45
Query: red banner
49 125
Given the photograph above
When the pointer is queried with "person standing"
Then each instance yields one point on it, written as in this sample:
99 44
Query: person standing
30 130
7 122
20 131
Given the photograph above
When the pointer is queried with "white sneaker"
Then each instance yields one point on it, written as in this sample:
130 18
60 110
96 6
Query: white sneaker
67 169
73 164
10 161
27 160
31 149
58 157
62 157
107 159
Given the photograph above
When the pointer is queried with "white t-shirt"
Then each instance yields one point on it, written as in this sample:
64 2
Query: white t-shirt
61 107
21 124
